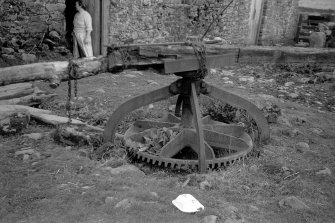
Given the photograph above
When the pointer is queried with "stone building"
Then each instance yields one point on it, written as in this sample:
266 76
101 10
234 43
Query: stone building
35 26
23 25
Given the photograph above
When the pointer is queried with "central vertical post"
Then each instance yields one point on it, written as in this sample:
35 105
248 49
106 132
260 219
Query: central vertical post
198 127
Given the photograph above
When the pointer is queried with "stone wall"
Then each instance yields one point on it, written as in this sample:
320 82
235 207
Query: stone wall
23 24
280 22
233 26
147 21
172 20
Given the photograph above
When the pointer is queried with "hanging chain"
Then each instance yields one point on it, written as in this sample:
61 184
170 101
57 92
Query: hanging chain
125 56
75 76
69 91
72 74
200 54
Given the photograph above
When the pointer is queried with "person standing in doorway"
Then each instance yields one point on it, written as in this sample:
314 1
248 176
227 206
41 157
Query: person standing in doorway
82 42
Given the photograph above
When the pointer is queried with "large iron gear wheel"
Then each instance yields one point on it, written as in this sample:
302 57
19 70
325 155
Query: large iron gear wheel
203 135
217 135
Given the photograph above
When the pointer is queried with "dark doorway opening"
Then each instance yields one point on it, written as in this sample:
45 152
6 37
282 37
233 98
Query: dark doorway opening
94 8
69 13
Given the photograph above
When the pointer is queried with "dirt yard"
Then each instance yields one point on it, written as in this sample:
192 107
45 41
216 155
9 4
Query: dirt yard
292 181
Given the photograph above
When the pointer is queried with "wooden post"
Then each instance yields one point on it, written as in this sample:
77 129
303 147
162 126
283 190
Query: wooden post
255 19
105 7
199 130
94 8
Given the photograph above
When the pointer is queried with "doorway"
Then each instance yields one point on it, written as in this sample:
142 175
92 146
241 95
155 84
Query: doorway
99 11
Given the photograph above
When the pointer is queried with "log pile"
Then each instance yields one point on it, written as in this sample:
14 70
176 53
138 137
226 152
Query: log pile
18 93
23 94
15 118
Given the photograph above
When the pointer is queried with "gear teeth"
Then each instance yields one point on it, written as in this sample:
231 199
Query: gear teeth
178 164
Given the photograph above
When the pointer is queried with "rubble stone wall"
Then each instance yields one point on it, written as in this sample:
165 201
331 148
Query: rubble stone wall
24 23
173 20
280 22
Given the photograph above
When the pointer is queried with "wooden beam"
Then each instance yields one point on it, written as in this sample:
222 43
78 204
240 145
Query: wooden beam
54 72
93 7
321 4
16 91
192 64
105 7
255 20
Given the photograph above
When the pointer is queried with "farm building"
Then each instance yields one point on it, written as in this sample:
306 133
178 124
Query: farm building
25 25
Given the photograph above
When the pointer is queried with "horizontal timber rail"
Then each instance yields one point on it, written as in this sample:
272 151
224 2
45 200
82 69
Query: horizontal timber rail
156 56
148 44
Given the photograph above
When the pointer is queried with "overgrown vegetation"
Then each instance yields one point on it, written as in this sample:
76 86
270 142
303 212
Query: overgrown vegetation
301 68
223 112
313 71
202 15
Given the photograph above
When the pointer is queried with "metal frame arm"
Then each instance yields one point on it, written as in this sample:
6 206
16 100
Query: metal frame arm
133 104
232 99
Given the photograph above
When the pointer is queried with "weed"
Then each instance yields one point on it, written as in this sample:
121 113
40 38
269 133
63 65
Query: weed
300 68
228 114
109 150
136 115
219 111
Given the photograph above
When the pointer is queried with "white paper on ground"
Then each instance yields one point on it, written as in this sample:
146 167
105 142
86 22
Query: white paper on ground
187 203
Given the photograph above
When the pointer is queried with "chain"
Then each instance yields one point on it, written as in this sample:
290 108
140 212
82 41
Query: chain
76 87
69 91
200 53
75 76
72 74
125 57
124 54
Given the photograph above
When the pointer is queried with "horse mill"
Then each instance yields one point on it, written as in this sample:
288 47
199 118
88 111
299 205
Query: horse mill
202 134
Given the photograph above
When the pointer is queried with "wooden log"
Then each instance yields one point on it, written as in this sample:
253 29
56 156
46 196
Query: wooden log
16 91
15 118
283 55
54 72
192 63
59 120
13 121
184 51
74 135
23 94
29 100
31 110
